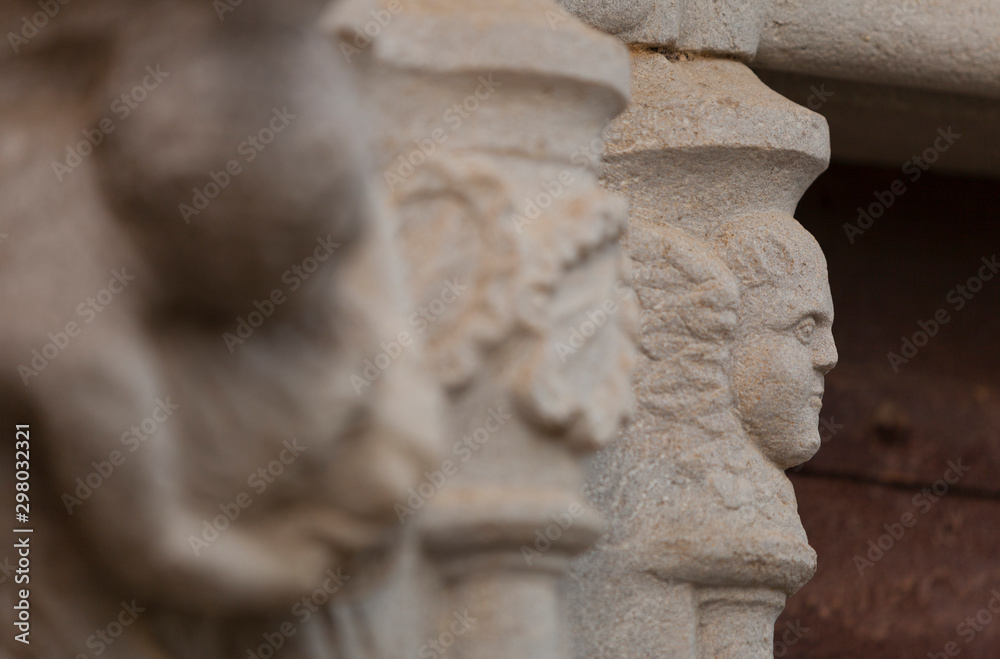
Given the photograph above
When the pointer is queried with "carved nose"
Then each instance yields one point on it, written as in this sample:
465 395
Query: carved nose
825 356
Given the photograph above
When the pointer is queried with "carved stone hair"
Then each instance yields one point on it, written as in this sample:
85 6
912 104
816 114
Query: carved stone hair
756 247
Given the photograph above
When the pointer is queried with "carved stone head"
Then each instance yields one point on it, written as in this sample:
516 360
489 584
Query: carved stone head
784 342
701 519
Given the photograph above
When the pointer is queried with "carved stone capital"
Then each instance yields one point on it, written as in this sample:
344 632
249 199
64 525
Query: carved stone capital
734 340
488 138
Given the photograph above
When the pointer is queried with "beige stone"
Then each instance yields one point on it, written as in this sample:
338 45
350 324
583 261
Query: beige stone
488 140
723 27
124 310
704 542
941 46
495 203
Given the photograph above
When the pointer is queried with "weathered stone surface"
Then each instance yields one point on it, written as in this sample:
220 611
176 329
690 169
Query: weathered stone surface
953 46
724 27
916 43
370 261
633 21
488 142
734 341
728 119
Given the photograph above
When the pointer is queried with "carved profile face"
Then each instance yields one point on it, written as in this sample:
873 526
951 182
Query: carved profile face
784 342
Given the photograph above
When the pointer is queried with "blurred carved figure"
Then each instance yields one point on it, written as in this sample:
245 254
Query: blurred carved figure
218 279
488 123
196 273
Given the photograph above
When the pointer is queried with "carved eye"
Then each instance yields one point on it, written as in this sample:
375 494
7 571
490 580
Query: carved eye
805 329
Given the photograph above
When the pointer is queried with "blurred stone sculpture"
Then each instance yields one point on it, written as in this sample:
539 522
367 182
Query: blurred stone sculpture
489 125
232 230
197 273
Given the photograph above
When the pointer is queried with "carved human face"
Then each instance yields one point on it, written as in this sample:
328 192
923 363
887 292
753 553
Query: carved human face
784 348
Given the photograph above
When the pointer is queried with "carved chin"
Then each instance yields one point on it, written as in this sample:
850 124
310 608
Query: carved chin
791 447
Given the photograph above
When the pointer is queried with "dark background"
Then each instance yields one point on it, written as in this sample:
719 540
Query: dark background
899 430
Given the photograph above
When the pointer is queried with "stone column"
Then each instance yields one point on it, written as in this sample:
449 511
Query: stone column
488 138
704 543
